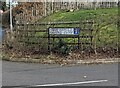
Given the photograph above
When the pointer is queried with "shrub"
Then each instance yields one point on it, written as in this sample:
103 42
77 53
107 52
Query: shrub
61 47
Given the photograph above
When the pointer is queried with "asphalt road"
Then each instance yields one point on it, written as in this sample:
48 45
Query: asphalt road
30 74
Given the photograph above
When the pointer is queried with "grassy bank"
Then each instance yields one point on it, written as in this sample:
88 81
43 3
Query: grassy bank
79 15
105 27
105 35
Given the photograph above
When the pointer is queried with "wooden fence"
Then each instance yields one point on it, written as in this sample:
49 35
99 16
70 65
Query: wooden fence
34 37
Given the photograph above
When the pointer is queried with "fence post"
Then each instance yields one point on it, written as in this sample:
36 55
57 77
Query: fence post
48 41
78 42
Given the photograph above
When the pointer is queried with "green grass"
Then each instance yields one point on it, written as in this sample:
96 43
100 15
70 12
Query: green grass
79 15
106 19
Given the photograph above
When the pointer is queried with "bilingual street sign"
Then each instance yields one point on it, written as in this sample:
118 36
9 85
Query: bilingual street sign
64 31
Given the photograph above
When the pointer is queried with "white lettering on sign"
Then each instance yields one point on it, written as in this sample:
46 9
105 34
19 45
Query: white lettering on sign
67 31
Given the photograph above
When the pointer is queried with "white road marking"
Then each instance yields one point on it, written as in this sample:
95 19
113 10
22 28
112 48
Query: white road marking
75 83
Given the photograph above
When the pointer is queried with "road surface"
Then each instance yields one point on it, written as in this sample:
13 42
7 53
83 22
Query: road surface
31 74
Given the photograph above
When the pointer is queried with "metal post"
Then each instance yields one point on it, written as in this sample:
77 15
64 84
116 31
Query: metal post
78 42
11 25
48 41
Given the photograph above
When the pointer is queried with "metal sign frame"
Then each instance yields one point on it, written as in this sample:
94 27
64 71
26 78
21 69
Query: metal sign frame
64 31
74 32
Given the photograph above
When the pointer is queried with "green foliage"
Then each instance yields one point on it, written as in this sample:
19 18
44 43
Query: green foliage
3 6
80 15
105 27
61 47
